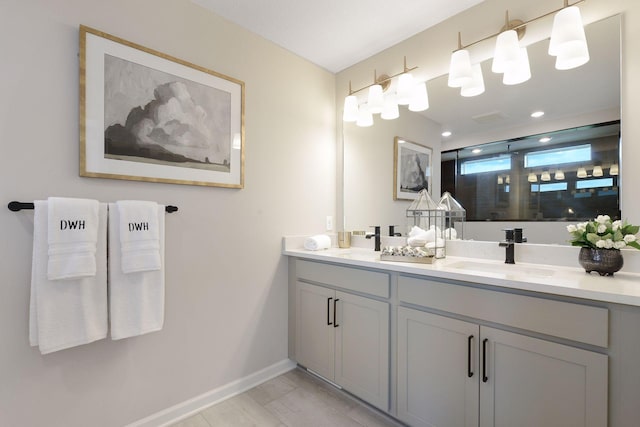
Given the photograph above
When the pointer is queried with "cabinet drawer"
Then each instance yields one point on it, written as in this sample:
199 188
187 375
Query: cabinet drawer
575 322
365 281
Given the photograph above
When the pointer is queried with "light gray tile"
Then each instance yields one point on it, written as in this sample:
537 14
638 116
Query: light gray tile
301 407
271 390
194 421
370 418
240 411
325 392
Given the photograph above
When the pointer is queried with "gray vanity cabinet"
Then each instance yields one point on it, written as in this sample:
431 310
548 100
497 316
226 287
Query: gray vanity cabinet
457 373
343 336
454 372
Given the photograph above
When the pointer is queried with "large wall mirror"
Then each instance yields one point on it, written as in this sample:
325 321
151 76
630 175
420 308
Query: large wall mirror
578 98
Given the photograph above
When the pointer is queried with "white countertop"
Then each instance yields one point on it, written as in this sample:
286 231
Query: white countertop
622 288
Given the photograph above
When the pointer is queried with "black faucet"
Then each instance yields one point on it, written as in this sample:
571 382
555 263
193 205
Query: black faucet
377 237
509 243
392 231
518 236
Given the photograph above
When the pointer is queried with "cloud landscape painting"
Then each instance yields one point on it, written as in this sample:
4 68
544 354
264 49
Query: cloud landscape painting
154 117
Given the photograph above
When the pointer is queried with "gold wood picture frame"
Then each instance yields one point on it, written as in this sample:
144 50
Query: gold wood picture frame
411 169
147 116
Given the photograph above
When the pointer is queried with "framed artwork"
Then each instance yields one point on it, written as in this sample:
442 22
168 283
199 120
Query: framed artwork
147 116
411 169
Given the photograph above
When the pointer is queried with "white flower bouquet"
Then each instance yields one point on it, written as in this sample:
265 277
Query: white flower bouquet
602 233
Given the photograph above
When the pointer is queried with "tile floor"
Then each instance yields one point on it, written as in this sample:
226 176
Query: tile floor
294 399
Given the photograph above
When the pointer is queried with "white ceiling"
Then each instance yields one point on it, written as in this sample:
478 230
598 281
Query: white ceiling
336 34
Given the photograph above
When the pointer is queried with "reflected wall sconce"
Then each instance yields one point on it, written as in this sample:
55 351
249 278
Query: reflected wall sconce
597 171
545 176
532 177
614 170
381 101
559 176
568 44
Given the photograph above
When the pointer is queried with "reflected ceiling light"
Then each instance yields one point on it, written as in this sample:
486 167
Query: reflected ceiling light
532 177
446 133
545 139
559 175
597 171
568 42
537 114
476 150
613 170
379 103
420 98
475 86
350 112
545 176
582 172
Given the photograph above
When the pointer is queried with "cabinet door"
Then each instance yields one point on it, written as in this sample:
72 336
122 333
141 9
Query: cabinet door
362 348
532 383
437 370
315 346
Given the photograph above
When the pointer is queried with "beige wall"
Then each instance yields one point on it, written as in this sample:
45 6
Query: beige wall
226 282
431 50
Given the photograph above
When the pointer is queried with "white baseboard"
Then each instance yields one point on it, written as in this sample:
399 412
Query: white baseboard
192 406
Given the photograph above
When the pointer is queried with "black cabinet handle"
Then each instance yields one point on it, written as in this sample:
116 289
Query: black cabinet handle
329 312
469 370
335 323
485 378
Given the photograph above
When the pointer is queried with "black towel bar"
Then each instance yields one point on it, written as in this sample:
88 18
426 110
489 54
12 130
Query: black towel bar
18 206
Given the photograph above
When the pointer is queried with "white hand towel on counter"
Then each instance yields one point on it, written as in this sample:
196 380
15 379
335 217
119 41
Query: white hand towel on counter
70 312
136 300
72 234
318 242
139 235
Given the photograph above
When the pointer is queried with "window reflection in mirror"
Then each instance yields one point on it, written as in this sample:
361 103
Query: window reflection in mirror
571 174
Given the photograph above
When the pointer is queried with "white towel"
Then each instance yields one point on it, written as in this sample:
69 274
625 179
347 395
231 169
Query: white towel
72 234
139 236
136 300
318 242
66 313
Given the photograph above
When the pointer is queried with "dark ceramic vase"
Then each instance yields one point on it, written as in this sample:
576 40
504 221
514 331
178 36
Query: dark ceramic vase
603 261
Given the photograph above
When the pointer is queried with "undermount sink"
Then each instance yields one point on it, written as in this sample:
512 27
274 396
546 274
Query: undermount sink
502 268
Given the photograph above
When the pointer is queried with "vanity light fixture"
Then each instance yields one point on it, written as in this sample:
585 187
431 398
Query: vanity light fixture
532 177
545 176
537 114
568 42
597 171
559 176
582 172
409 92
475 86
568 45
614 170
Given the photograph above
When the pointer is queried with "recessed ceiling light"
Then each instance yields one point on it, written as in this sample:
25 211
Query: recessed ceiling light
537 114
476 150
446 133
545 139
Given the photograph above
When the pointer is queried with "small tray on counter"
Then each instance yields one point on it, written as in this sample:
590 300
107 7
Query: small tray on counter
414 259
